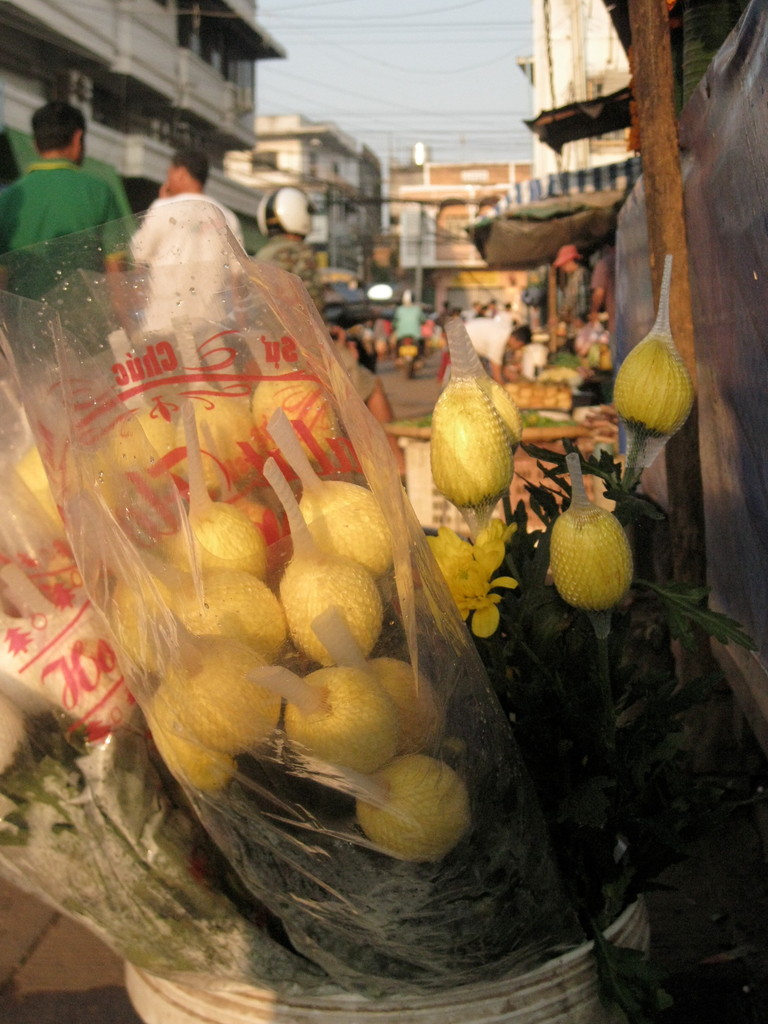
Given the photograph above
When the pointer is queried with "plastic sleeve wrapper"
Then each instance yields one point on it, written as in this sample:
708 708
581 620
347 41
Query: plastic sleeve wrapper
87 821
304 671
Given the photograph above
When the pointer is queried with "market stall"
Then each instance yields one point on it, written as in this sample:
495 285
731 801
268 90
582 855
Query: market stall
537 217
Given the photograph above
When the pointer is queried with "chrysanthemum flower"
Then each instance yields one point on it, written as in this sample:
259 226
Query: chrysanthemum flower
468 569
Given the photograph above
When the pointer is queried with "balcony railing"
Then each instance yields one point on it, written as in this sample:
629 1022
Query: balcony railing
147 54
203 92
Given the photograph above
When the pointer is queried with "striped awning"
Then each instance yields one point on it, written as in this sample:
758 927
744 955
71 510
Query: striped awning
527 227
618 177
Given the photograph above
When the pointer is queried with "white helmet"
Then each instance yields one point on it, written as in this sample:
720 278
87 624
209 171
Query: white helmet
286 210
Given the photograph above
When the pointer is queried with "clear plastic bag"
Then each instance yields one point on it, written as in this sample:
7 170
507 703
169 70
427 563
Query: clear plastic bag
283 655
87 821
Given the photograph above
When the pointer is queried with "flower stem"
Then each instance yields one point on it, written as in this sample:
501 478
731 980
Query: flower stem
507 506
606 694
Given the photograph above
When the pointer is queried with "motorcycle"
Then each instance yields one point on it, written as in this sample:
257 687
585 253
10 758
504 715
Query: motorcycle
408 354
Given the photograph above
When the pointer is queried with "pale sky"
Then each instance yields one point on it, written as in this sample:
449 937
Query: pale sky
392 73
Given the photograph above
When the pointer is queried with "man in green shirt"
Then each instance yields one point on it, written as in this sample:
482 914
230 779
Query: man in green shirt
55 198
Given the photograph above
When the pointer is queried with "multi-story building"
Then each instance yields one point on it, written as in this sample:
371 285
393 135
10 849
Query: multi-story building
341 176
578 58
579 61
150 76
432 207
580 139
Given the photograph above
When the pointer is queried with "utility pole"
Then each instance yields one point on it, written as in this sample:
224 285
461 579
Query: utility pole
331 228
418 277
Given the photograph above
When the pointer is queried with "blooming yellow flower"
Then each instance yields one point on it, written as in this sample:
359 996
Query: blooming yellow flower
468 568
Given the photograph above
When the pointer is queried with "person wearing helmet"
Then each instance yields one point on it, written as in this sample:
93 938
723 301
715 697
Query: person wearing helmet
285 216
407 324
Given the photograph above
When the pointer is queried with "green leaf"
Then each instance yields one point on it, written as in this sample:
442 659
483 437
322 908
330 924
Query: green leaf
630 508
630 980
686 607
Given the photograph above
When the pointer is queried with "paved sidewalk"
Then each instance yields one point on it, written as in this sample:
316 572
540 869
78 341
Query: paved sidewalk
53 970
414 398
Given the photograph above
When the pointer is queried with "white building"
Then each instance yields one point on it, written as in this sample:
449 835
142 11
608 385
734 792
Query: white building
150 76
341 176
432 208
577 58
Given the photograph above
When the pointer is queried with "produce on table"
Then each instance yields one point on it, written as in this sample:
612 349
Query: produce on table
537 395
344 518
313 582
421 809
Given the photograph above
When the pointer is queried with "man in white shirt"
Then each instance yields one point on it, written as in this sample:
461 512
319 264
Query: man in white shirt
489 338
187 240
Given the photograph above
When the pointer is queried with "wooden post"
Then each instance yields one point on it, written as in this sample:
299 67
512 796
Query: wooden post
654 95
552 307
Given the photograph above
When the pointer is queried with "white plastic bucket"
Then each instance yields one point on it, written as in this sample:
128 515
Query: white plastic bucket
561 991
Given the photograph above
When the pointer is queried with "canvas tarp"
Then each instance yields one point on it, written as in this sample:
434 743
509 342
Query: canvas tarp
584 120
533 236
724 142
536 217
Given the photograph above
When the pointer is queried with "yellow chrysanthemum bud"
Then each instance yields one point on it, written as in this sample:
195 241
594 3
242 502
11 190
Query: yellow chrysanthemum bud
590 556
653 389
474 430
313 582
425 811
470 454
505 407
